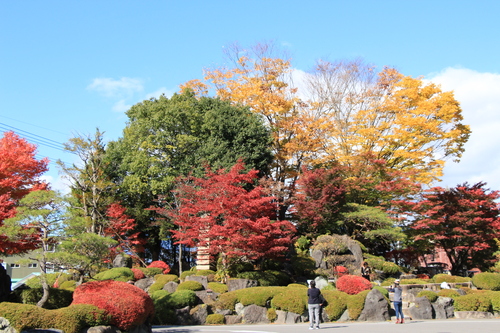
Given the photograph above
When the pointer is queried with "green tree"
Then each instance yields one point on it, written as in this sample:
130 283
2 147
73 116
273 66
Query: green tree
169 137
39 220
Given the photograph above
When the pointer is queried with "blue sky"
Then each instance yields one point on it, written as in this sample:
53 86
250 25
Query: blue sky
67 67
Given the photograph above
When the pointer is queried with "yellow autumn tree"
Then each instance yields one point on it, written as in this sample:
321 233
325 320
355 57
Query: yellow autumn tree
412 126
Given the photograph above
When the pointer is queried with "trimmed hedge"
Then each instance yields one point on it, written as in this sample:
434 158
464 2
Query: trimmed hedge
440 278
166 303
448 293
123 274
190 285
290 299
487 281
215 319
72 319
58 298
217 287
266 278
161 280
473 302
431 295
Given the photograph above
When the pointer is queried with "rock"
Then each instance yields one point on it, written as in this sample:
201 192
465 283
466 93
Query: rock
233 319
145 283
317 255
182 316
5 325
345 316
254 314
206 297
292 318
170 286
443 308
422 309
224 312
280 317
473 315
238 308
5 284
101 329
236 284
376 307
122 261
199 314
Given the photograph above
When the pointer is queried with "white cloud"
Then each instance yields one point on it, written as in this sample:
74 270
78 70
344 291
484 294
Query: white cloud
59 183
121 106
479 97
124 87
168 93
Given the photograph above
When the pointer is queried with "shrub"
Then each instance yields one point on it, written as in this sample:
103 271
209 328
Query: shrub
448 293
72 319
356 303
337 303
226 301
138 274
127 304
217 287
271 314
495 301
290 299
297 285
384 291
379 263
353 284
151 271
329 286
58 298
182 298
414 281
266 278
440 278
190 285
35 282
340 271
257 295
473 302
160 264
166 303
205 272
303 265
431 295
68 285
487 281
186 274
215 319
160 281
123 274
423 276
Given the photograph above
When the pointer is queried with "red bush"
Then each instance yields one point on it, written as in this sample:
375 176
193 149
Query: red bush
160 264
128 305
340 271
138 274
423 276
353 284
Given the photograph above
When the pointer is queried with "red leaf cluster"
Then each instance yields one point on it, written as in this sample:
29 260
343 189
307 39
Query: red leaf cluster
122 228
352 284
128 305
160 264
340 271
138 274
19 175
224 213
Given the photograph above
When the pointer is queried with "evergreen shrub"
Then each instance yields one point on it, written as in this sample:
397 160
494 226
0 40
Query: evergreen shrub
383 290
128 305
431 295
35 282
495 301
353 284
186 274
151 271
440 278
271 314
190 285
303 265
257 295
68 285
123 274
218 287
226 301
215 319
290 299
182 298
448 293
161 280
72 319
473 302
487 281
337 303
58 298
356 303
266 278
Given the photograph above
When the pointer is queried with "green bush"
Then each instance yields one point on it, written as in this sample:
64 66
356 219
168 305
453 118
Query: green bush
290 299
448 293
124 274
68 285
266 278
190 285
215 319
337 303
217 287
205 272
72 319
431 295
297 285
495 301
384 291
329 286
35 282
226 301
58 298
473 302
182 298
164 311
151 271
303 265
271 314
414 281
356 303
487 281
440 278
161 280
257 295
380 264
186 274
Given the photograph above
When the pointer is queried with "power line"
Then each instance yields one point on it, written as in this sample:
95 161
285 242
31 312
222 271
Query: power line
36 138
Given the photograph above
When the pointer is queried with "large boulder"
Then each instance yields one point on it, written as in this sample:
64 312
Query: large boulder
170 286
122 261
422 309
376 307
199 314
254 314
235 284
206 297
473 315
5 325
443 308
145 283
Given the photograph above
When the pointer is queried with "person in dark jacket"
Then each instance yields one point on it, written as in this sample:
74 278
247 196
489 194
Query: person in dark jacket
314 302
398 302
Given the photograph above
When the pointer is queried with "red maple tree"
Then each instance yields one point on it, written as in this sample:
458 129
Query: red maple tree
19 175
226 214
464 221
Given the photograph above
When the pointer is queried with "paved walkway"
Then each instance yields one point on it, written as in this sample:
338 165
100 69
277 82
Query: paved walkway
413 326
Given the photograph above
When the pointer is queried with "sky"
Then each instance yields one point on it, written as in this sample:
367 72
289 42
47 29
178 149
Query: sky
68 67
